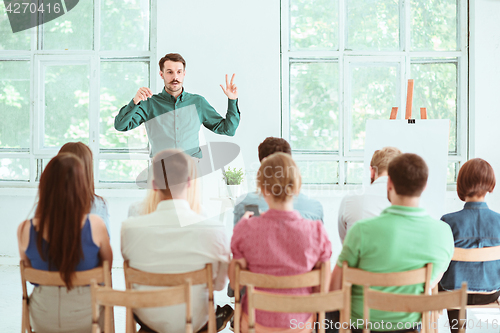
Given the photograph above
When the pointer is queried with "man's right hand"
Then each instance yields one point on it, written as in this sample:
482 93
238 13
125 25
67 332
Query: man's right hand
142 94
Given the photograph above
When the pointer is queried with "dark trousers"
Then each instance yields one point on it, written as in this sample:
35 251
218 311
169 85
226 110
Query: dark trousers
472 299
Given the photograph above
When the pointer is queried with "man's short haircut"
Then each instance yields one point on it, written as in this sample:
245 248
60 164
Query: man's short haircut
170 171
475 178
175 57
279 175
272 145
382 157
408 173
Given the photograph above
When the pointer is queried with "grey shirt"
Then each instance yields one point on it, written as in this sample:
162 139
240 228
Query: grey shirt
308 208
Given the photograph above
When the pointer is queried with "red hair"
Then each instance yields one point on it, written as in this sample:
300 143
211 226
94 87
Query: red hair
85 154
475 178
63 203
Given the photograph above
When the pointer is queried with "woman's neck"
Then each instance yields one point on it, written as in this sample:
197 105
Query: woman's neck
280 205
475 198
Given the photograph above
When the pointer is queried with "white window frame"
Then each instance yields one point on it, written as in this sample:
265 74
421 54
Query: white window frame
344 57
37 58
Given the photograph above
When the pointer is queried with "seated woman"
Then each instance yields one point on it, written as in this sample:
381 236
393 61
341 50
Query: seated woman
63 237
149 204
278 242
474 226
99 206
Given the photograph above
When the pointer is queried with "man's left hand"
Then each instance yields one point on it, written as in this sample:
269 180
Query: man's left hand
231 90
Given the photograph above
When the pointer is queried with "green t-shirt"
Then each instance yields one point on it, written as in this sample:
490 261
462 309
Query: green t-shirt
400 239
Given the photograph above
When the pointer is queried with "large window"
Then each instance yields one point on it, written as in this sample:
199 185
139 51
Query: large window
66 80
347 61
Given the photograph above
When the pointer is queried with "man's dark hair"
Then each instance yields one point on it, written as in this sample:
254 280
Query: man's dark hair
272 145
175 57
408 173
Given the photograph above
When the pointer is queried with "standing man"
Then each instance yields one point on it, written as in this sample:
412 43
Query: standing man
173 117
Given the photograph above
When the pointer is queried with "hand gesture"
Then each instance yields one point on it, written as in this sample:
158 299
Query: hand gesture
231 90
247 214
142 94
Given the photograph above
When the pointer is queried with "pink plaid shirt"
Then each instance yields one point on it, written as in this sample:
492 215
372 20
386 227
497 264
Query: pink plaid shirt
280 243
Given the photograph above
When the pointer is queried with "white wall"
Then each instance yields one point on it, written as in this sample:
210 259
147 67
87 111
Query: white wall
485 86
226 36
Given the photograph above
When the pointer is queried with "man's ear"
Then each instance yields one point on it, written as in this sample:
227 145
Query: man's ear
390 184
372 172
161 74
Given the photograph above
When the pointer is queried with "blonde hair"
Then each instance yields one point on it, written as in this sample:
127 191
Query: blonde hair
279 175
382 157
193 194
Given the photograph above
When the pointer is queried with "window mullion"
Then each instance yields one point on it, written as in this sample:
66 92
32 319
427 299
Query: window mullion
97 25
153 36
342 89
94 107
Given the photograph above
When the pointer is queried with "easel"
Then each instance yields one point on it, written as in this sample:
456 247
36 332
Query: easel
433 317
409 103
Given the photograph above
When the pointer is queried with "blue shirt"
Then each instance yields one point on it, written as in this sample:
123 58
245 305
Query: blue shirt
100 208
308 208
475 226
89 249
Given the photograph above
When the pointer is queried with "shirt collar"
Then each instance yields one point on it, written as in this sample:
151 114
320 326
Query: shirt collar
171 98
476 205
173 204
405 211
283 213
381 180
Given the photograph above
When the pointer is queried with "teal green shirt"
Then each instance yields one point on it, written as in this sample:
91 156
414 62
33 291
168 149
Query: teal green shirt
172 123
400 239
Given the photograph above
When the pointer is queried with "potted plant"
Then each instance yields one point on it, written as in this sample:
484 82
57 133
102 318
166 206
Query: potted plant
233 179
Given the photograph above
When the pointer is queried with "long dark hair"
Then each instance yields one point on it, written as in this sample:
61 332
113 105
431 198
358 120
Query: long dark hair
85 154
63 202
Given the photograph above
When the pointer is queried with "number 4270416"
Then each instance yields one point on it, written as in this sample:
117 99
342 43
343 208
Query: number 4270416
24 7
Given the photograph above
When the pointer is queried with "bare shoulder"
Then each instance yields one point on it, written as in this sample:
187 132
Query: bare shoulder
23 234
98 227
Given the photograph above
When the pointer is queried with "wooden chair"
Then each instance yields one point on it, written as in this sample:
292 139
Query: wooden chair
202 276
379 300
474 255
316 277
138 299
363 278
318 302
44 278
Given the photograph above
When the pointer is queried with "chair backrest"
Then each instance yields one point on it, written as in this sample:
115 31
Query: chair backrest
202 276
139 299
414 303
316 277
45 278
333 301
477 254
362 278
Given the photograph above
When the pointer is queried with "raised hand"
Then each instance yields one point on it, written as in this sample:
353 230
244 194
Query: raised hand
142 94
231 90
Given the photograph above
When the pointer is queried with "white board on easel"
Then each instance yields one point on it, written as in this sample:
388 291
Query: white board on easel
427 138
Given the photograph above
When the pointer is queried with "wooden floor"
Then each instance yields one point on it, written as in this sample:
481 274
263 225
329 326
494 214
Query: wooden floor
11 300
11 296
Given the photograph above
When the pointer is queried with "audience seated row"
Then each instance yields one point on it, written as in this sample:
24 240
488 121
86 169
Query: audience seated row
63 237
167 234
